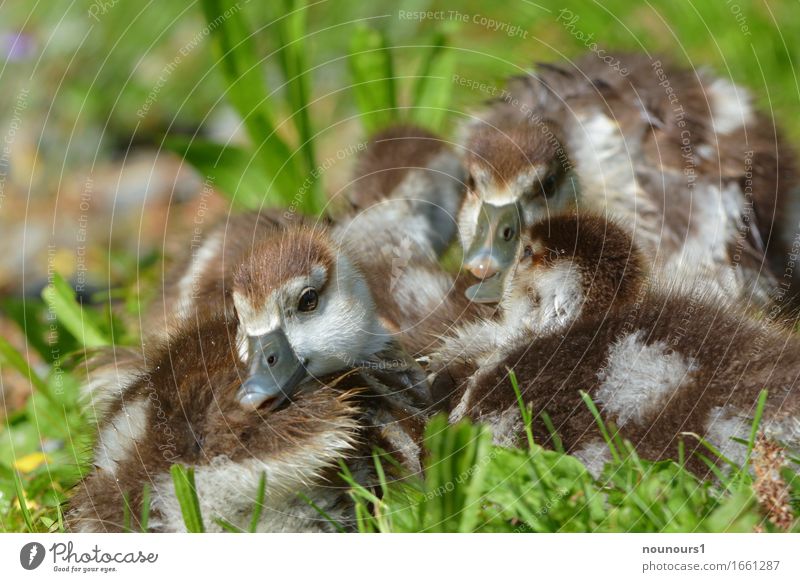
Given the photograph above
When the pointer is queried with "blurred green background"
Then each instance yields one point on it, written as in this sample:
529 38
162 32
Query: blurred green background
99 95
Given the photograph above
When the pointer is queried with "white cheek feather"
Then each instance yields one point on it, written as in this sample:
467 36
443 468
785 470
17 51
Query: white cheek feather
500 196
731 106
203 256
468 220
228 489
117 440
344 329
561 298
258 321
639 378
255 322
481 176
242 344
604 163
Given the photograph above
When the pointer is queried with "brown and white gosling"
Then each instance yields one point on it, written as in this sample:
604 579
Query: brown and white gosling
308 307
657 362
183 408
406 189
704 180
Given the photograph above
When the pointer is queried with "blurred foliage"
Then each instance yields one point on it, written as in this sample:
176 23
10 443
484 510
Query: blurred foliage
100 68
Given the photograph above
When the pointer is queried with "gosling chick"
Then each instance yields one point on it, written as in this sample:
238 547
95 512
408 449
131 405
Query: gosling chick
658 361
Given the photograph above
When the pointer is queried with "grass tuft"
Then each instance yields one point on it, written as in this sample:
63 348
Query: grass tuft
186 493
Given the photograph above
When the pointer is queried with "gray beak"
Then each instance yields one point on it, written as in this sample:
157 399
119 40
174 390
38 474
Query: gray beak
493 250
487 291
275 371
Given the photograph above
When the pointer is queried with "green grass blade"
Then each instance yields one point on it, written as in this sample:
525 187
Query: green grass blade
337 526
524 409
290 23
144 522
231 170
372 72
712 466
600 424
470 514
715 451
23 503
434 86
238 59
12 357
762 401
227 526
357 488
60 298
186 492
381 474
558 445
126 513
362 498
259 506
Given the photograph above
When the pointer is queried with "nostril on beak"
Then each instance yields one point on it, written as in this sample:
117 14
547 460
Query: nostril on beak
483 268
271 360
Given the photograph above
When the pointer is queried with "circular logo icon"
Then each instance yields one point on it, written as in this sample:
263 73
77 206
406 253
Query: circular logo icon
31 555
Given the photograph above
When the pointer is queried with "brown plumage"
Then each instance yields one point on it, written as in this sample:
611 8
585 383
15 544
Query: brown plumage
367 306
407 171
705 181
406 189
658 362
610 267
203 276
281 256
390 157
509 148
182 409
327 299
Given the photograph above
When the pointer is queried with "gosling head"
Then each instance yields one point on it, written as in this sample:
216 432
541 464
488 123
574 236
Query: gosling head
568 266
518 174
304 311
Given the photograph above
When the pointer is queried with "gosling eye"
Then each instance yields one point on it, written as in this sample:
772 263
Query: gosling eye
549 185
527 251
309 299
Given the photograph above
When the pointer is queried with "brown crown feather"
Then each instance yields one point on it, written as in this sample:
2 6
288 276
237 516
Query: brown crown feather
281 257
189 385
390 155
611 266
513 146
